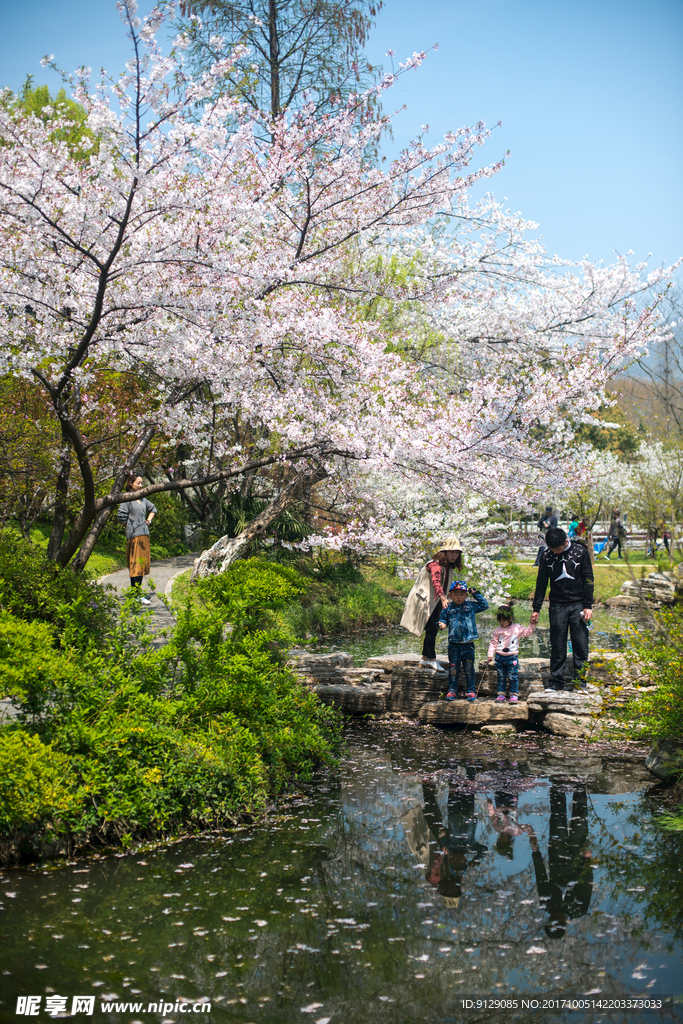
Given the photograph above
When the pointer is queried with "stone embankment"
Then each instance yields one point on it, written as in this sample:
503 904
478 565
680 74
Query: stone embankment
398 686
656 589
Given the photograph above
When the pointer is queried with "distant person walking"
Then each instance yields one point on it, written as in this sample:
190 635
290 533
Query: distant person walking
428 597
617 533
137 515
566 565
547 521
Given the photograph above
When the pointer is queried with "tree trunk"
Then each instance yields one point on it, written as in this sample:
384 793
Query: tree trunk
227 550
61 500
100 520
274 59
589 535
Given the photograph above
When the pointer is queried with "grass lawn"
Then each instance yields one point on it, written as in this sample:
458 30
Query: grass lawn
331 607
105 558
102 561
609 576
182 588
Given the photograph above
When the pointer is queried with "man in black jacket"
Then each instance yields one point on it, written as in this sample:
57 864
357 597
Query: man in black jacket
566 565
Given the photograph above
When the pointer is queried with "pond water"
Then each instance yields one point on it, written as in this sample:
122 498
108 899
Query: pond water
429 868
607 631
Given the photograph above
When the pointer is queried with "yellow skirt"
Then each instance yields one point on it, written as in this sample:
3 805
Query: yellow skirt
137 556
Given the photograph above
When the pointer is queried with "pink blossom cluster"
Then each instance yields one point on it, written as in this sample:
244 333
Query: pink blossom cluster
292 282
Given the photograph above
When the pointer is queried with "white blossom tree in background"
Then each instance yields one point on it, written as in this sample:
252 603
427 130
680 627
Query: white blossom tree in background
655 489
600 481
288 308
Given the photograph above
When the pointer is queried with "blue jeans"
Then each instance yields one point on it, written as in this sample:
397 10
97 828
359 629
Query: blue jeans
461 654
508 672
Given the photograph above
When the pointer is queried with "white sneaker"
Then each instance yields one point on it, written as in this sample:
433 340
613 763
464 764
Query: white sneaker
550 689
426 663
145 600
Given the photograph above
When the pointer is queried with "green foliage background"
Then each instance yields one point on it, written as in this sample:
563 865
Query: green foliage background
119 741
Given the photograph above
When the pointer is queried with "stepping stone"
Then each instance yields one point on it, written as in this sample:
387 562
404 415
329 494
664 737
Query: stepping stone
389 662
567 703
499 729
452 712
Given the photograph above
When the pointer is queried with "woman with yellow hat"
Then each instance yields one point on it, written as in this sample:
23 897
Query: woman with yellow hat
428 596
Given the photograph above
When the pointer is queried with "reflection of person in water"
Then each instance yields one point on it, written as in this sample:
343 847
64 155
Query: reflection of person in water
565 889
447 850
504 814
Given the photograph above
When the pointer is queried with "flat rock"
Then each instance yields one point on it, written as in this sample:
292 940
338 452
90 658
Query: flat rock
612 668
351 676
317 665
355 700
576 703
574 726
621 601
388 662
450 712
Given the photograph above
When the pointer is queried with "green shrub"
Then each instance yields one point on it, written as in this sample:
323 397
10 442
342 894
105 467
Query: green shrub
155 740
658 714
31 670
34 782
35 589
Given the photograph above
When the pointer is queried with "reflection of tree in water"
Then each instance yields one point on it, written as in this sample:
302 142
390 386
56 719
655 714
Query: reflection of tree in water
646 868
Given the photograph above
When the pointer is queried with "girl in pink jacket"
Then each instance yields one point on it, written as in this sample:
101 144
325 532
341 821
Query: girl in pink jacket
505 647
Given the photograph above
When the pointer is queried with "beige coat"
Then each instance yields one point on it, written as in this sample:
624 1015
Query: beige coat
422 600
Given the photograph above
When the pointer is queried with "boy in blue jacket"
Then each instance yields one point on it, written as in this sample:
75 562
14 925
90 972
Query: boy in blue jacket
458 617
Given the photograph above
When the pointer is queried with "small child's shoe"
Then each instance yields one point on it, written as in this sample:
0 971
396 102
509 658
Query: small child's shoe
500 699
451 695
471 696
512 699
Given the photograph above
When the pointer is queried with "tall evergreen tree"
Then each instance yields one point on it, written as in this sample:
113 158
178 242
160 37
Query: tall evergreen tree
297 51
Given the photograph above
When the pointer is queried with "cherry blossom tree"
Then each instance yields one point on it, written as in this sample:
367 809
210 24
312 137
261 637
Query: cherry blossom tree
269 302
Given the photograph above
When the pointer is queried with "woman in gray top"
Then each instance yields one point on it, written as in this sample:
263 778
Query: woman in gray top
137 515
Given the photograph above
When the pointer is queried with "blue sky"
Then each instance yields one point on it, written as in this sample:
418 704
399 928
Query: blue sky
589 93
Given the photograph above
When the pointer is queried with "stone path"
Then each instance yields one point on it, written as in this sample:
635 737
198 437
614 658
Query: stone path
164 573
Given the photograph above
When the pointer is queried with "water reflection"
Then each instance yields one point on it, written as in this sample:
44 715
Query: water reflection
429 866
449 849
566 886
